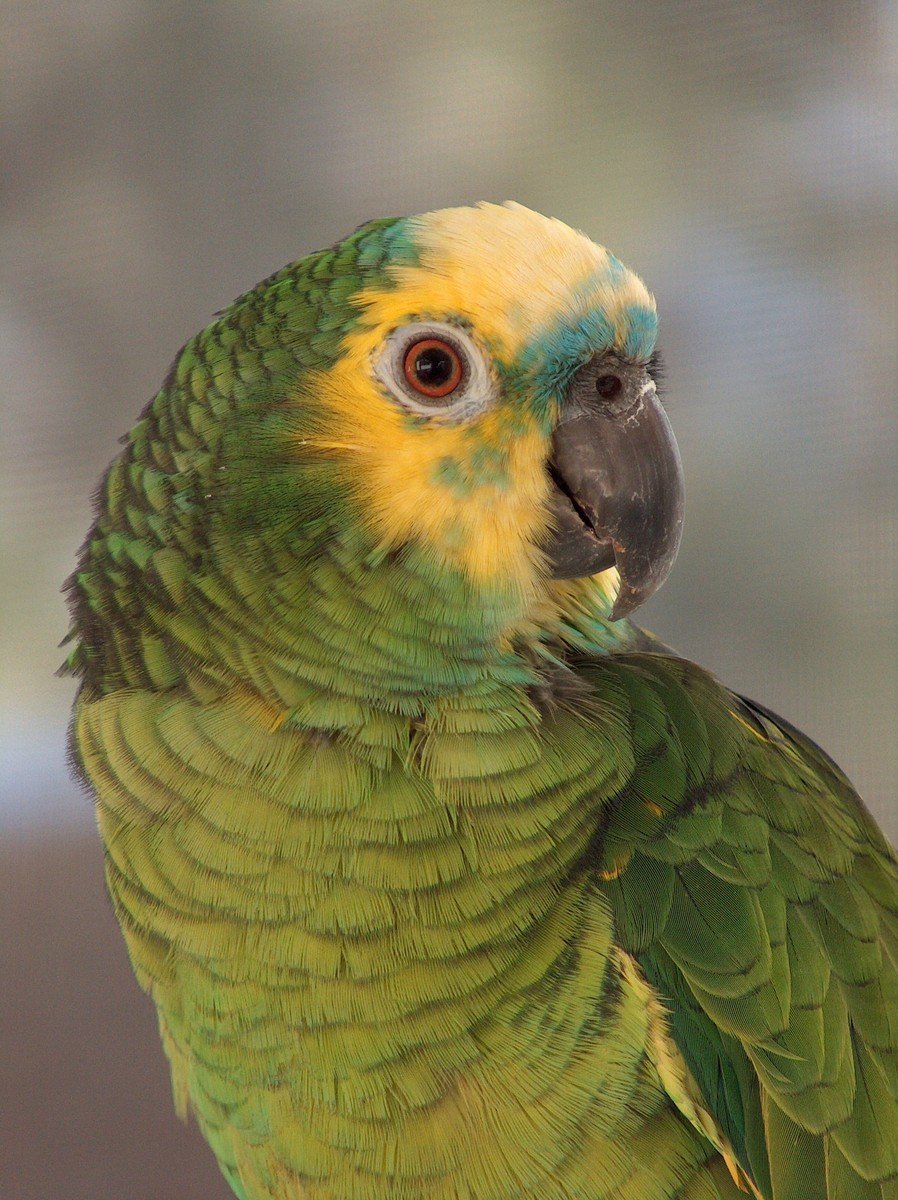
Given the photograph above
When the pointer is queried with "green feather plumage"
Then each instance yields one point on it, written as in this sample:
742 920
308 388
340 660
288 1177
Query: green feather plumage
399 885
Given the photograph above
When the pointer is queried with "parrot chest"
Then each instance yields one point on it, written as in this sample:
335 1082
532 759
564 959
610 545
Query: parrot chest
423 1057
371 972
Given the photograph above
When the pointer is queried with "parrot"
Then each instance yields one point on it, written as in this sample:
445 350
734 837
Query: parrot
447 881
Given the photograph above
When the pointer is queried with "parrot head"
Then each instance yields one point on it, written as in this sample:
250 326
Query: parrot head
491 402
463 398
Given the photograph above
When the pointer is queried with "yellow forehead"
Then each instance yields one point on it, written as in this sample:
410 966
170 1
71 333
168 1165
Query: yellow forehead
512 272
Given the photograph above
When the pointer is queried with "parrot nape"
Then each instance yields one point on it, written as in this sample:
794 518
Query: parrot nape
447 881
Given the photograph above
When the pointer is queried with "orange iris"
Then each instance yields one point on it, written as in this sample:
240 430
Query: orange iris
433 368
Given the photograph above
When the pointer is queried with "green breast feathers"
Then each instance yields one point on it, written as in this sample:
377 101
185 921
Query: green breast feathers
447 881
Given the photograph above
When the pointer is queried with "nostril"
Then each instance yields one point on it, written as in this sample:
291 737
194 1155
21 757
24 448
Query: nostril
609 386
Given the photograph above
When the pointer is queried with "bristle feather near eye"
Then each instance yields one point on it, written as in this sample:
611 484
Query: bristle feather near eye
658 372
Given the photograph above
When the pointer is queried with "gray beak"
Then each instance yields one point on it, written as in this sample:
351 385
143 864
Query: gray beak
618 494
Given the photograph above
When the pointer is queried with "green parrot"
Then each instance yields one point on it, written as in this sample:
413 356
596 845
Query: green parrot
447 881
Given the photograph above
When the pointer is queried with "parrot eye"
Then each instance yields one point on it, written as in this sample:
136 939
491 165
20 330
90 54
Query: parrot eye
433 368
436 370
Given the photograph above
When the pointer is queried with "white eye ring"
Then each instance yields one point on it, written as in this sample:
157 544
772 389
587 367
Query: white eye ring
463 385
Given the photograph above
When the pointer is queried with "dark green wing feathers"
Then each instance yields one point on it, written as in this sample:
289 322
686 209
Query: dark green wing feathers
761 901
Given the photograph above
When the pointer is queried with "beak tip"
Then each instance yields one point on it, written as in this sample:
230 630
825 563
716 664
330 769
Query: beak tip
642 576
622 607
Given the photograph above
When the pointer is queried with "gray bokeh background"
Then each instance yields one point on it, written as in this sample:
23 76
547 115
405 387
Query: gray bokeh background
162 157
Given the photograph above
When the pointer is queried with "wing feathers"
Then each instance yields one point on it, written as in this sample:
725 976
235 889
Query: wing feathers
763 906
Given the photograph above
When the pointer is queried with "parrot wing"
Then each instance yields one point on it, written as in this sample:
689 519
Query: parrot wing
760 900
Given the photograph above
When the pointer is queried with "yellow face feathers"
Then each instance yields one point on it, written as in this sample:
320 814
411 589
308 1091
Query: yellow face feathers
526 293
476 496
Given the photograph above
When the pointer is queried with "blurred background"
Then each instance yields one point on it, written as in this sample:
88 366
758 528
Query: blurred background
162 157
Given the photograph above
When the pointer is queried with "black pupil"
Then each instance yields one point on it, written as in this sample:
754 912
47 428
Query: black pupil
608 386
434 367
